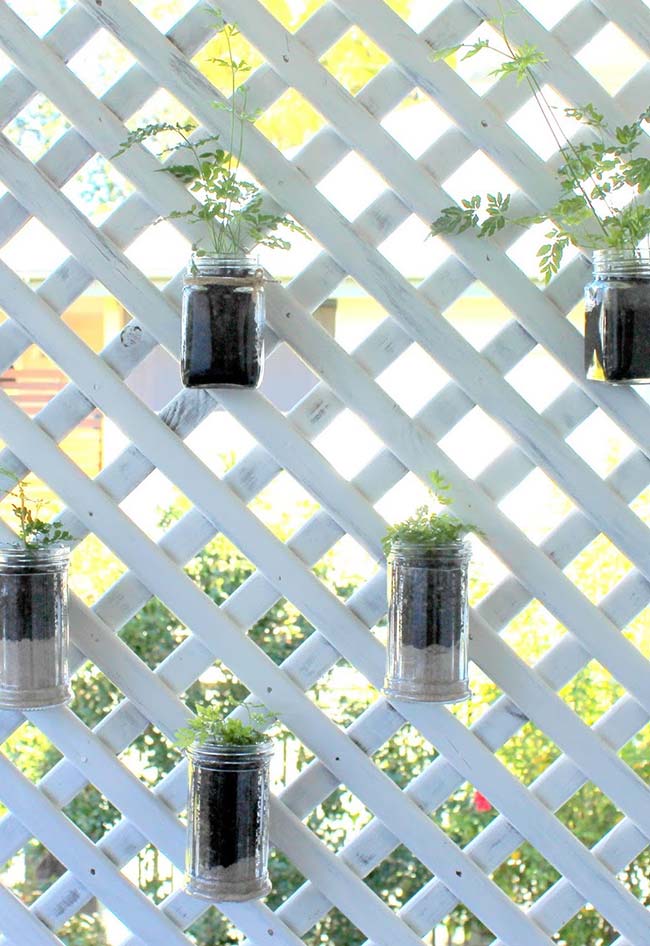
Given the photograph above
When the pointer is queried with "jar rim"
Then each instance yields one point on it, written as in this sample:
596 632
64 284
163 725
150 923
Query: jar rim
463 543
17 552
626 261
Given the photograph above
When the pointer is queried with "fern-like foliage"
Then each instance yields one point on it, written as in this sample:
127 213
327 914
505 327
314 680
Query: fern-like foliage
210 726
592 174
428 526
227 205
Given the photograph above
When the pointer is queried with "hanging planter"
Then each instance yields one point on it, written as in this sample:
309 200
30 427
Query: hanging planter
428 622
617 318
34 627
602 180
428 558
227 805
223 323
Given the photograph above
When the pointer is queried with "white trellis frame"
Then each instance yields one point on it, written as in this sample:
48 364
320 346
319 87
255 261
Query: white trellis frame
284 442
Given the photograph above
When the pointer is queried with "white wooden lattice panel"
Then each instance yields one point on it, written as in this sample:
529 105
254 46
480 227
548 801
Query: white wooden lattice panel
284 442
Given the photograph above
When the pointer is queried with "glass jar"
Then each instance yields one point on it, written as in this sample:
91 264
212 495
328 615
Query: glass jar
228 821
617 317
428 622
34 644
222 343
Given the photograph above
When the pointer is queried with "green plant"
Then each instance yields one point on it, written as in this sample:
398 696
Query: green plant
33 531
209 726
427 526
229 206
592 176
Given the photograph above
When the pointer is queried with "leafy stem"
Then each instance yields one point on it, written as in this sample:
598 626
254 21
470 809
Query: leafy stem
33 531
429 526
591 173
210 726
225 203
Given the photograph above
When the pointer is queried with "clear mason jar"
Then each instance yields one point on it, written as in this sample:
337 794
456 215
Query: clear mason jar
228 821
222 342
34 670
617 317
428 621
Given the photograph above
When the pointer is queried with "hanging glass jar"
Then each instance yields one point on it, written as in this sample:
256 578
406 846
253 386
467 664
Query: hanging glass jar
228 821
617 317
222 343
428 622
34 670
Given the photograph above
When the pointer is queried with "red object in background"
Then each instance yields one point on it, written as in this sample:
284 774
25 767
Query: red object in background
481 803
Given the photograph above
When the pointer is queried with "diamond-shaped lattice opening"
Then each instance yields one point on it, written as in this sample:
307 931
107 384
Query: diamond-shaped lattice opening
101 62
212 59
37 127
477 314
635 752
533 632
598 568
352 185
488 440
93 569
536 506
41 15
476 70
290 122
97 189
163 14
549 14
103 815
528 753
348 443
591 692
526 875
539 378
161 107
354 60
293 15
417 122
34 252
358 316
612 57
601 443
408 249
589 814
542 122
397 380
479 167
161 250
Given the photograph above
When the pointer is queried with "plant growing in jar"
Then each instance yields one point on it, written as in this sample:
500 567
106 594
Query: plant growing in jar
228 805
428 558
33 607
602 180
223 296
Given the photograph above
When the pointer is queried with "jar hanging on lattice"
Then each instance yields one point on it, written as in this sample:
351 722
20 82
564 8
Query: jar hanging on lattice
222 343
34 670
228 821
428 622
617 317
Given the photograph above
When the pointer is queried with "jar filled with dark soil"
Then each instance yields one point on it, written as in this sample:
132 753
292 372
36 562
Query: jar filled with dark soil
428 622
617 318
222 344
228 821
34 627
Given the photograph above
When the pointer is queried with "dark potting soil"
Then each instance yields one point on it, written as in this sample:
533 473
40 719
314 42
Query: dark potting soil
222 337
227 808
617 331
31 605
427 604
